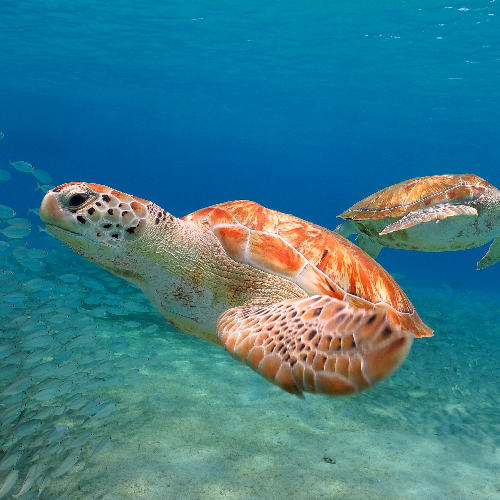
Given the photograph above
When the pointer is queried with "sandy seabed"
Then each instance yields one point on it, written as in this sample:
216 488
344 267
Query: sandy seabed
189 422
201 425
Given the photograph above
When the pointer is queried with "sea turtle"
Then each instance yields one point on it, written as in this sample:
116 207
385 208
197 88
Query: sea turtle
406 215
301 305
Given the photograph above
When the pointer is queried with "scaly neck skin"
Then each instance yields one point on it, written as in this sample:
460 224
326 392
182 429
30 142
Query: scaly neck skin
496 213
183 269
489 210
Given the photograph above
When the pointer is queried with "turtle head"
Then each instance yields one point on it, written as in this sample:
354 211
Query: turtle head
95 221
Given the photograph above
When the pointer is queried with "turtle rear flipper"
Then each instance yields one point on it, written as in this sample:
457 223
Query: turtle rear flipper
315 344
427 214
492 255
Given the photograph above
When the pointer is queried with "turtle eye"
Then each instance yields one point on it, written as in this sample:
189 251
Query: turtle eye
78 199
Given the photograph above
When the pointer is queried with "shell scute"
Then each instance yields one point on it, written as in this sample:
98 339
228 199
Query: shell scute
318 260
272 253
234 240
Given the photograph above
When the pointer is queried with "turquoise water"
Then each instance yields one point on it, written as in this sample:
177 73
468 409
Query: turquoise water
305 108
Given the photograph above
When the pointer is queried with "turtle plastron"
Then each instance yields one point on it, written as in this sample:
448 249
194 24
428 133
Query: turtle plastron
492 255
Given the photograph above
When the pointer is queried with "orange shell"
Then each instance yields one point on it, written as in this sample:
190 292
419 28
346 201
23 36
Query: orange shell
402 198
318 260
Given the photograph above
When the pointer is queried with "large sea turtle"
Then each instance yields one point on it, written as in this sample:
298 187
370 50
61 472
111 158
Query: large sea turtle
302 306
406 215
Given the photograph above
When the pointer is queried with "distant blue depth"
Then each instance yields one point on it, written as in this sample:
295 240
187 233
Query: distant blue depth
305 107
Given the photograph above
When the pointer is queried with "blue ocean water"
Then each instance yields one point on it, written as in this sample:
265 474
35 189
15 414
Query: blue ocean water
304 107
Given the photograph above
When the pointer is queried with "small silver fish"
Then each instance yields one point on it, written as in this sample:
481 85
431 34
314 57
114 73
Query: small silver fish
100 446
89 408
37 284
19 398
63 370
110 382
38 441
36 253
131 324
10 459
45 480
50 411
63 355
40 341
65 335
42 176
104 410
7 374
5 175
33 265
35 211
20 221
93 284
20 319
9 414
26 429
34 471
6 212
59 431
37 331
69 278
44 187
48 382
47 393
50 450
81 340
44 230
12 359
79 441
34 357
43 370
6 350
65 387
150 329
9 482
125 361
16 231
58 318
19 385
2 135
22 166
76 402
67 464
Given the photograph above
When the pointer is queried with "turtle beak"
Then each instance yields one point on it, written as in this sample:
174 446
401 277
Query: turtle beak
52 213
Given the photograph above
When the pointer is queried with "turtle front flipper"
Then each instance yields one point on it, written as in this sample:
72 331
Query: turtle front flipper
492 255
365 242
346 228
316 344
427 214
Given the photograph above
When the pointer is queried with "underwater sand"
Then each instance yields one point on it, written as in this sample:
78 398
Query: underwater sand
190 422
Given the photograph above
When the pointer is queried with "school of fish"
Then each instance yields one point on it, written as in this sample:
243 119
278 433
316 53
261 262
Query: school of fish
56 370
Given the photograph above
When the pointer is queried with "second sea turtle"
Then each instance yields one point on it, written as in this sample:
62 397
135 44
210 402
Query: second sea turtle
433 214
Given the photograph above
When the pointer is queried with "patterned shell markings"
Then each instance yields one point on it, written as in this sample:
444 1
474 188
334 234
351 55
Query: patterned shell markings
402 198
319 260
